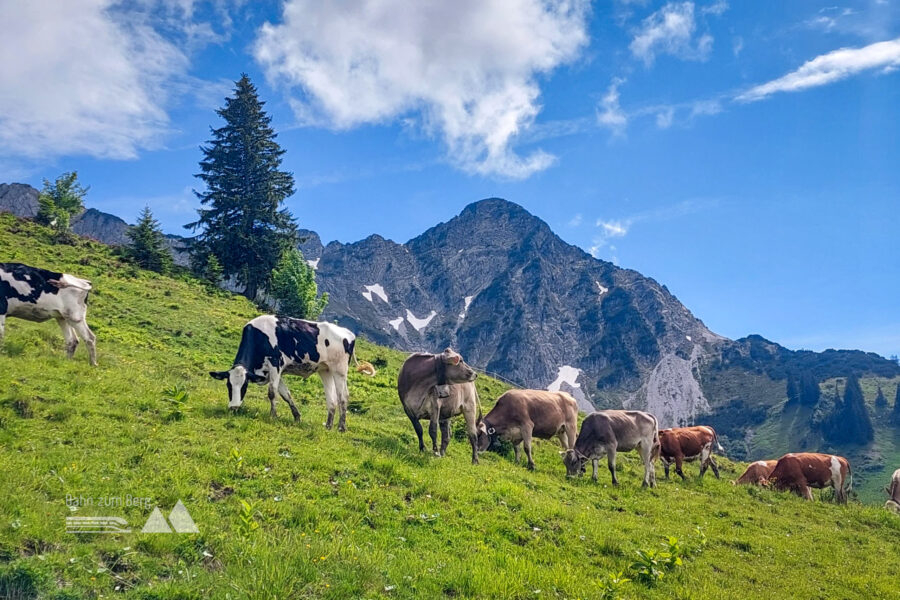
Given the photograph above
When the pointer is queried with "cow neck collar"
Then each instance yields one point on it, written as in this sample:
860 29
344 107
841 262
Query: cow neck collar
440 370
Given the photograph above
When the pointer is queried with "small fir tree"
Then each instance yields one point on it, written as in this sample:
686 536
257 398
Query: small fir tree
148 247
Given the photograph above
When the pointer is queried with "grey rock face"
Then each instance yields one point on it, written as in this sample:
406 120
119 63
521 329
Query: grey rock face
19 199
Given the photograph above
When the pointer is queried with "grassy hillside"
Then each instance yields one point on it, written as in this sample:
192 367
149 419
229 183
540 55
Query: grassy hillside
294 511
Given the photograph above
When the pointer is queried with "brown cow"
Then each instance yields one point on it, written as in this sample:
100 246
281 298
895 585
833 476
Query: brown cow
800 471
757 473
437 387
611 431
688 444
520 415
894 492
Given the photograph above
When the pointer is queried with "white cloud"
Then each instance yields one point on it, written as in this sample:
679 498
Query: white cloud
671 30
87 78
610 229
575 221
610 113
665 117
468 69
829 68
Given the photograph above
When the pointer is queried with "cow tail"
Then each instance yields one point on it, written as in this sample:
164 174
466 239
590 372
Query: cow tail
654 453
364 367
716 438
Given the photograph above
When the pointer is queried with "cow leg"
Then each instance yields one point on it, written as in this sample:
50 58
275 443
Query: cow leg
649 468
666 467
611 463
470 414
445 435
330 397
274 383
526 443
517 447
715 467
595 463
418 427
2 327
679 461
68 335
286 396
90 340
807 493
434 423
343 398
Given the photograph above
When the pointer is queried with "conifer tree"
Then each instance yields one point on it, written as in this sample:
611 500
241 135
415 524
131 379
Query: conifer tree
294 287
242 222
896 411
148 247
880 400
808 389
792 391
850 421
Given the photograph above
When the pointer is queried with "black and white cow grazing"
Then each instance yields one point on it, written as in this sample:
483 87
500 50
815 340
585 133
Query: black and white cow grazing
274 346
38 295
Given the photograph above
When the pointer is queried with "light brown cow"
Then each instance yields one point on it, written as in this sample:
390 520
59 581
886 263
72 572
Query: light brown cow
437 387
607 432
757 473
800 471
894 492
520 415
688 444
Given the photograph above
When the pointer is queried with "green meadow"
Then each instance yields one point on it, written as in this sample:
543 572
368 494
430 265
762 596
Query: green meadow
289 510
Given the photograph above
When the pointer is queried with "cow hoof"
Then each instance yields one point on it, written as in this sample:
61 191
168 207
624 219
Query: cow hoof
530 467
327 425
437 454
474 461
342 429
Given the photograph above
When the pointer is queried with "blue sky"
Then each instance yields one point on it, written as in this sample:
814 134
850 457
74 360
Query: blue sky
743 154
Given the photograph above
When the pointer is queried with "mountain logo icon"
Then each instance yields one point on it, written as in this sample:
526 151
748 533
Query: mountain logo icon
180 519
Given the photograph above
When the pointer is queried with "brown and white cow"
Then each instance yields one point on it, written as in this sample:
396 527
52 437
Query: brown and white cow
437 387
798 472
688 444
520 415
894 492
609 431
757 473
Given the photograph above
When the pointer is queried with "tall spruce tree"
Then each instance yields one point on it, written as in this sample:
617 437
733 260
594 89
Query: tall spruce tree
148 247
850 421
808 389
242 222
294 287
896 412
792 391
880 400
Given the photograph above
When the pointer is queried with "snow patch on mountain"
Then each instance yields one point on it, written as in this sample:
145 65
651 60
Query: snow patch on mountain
417 323
601 287
374 289
567 381
313 263
467 301
395 323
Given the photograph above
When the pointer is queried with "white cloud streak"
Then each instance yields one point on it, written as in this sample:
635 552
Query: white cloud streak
86 79
670 30
829 68
610 113
466 70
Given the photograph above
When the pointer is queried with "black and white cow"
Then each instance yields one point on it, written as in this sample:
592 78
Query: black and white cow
38 295
274 346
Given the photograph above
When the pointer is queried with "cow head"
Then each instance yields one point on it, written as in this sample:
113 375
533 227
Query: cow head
236 380
574 461
455 368
487 436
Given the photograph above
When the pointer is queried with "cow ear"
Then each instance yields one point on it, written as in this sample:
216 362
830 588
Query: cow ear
256 378
455 359
220 375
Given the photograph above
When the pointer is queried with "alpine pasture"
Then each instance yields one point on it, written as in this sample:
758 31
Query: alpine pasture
289 510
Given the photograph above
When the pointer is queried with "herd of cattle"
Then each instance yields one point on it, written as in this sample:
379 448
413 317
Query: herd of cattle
437 387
